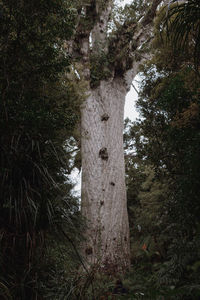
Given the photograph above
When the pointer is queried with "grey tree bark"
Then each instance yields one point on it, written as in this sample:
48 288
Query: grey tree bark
103 175
103 199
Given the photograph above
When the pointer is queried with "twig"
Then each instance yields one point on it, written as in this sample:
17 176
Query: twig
135 88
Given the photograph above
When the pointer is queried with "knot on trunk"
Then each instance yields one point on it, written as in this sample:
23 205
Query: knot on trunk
103 153
105 117
88 251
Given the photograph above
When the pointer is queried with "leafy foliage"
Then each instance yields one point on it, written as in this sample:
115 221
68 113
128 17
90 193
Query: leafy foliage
183 27
165 203
39 111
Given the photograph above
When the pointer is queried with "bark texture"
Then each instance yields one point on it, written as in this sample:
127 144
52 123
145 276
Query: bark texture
103 173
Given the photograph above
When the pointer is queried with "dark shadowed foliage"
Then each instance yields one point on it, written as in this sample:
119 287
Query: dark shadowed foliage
38 113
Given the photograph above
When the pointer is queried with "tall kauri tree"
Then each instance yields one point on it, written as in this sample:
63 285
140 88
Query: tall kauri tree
109 61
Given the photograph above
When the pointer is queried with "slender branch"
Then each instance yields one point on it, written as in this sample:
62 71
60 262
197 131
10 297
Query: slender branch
135 88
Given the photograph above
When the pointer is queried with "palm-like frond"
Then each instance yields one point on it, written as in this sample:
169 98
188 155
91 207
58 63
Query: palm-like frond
183 27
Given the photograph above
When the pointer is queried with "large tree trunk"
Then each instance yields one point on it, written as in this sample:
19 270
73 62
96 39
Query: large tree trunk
103 176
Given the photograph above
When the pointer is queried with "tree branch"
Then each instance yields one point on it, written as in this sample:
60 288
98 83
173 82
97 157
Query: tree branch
91 32
127 43
99 32
122 48
148 18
